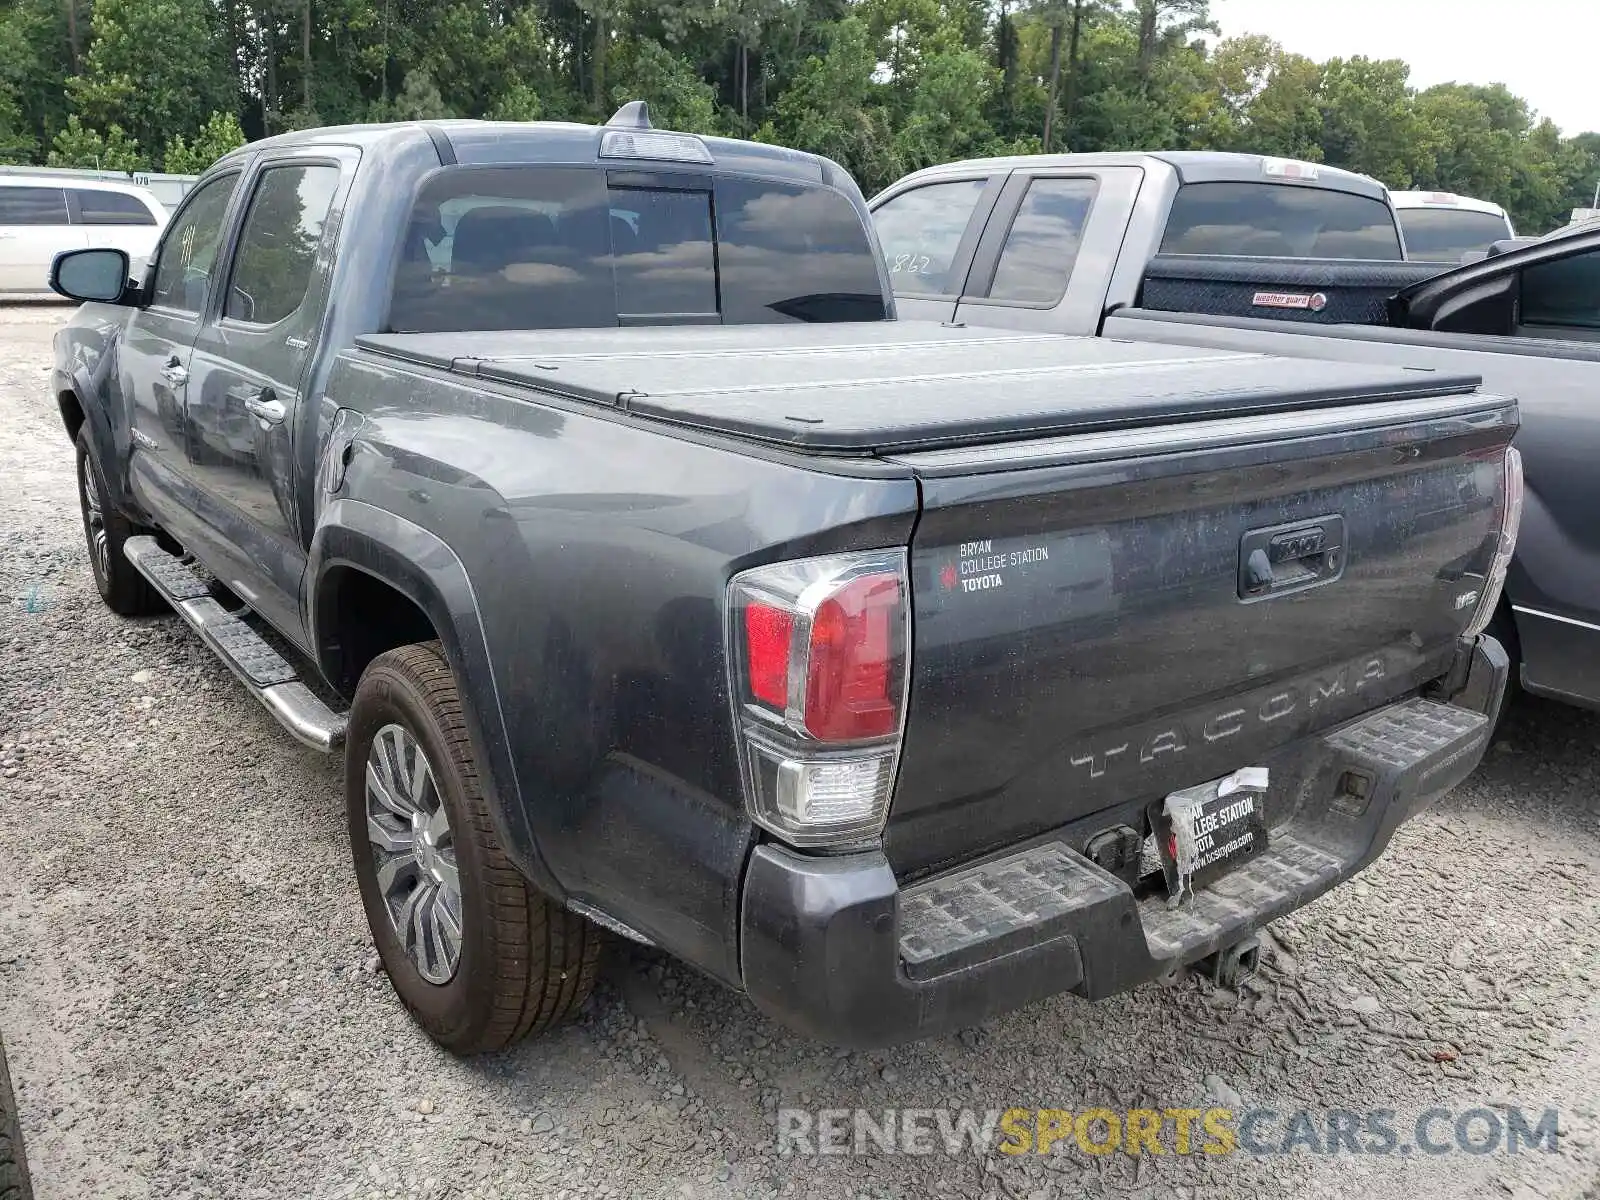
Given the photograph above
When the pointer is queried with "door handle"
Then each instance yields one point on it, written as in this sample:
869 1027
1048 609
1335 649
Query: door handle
266 406
177 374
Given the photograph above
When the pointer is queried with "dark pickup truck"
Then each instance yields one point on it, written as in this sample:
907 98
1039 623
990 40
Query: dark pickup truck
1244 253
578 485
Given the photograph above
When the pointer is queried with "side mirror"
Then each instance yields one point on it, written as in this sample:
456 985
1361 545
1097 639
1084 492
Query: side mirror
97 274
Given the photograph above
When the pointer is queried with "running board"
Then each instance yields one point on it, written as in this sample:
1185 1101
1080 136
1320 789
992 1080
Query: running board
271 678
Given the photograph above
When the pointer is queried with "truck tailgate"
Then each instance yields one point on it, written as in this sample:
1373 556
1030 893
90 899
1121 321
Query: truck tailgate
1093 626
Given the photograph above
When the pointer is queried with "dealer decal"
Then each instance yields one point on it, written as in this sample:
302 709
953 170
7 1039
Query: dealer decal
979 567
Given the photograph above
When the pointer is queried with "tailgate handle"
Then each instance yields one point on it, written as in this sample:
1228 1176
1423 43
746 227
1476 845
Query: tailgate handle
1290 558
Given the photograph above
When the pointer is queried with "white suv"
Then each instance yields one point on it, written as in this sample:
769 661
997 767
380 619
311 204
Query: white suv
41 215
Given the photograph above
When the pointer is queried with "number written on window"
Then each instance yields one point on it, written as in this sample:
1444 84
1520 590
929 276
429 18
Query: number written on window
921 230
189 247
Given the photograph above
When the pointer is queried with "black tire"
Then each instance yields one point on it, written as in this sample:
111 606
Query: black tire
525 964
14 1183
124 590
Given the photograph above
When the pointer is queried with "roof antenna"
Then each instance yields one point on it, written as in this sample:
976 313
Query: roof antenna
635 114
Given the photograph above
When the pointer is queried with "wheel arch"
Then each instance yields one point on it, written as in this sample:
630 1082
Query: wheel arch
363 557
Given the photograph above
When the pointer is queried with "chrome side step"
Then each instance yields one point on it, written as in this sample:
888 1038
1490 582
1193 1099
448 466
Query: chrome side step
271 678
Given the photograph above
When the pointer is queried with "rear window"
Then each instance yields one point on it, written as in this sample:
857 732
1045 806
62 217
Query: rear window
1445 234
32 206
1272 220
96 207
575 247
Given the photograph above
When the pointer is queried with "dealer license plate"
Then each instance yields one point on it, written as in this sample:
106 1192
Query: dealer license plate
1207 830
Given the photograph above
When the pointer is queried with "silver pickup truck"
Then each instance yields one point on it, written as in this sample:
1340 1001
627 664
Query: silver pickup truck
1257 254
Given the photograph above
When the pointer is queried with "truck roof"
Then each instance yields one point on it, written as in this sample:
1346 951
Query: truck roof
1192 166
1446 200
479 143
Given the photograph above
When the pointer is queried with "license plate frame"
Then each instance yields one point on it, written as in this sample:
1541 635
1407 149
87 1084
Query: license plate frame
1206 831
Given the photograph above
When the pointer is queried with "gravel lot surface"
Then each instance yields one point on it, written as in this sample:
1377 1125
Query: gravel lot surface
192 1005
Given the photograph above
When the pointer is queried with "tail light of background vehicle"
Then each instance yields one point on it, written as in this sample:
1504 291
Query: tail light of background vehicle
819 653
1510 523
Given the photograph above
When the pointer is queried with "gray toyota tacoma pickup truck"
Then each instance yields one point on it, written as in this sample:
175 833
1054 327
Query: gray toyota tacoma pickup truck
1245 253
578 486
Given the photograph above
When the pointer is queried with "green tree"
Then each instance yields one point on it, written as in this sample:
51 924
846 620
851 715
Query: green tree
154 68
830 109
220 134
1370 123
678 97
79 146
36 54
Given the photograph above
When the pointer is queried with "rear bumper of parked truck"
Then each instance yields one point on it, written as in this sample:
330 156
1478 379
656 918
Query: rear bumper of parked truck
835 947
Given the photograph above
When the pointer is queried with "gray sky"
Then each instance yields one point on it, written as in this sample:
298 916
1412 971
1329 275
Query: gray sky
1543 50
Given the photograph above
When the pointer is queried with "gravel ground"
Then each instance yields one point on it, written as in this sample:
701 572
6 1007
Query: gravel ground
192 1004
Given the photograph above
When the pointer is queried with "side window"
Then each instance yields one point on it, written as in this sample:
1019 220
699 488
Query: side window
1042 245
921 230
278 245
32 206
190 246
110 208
1564 293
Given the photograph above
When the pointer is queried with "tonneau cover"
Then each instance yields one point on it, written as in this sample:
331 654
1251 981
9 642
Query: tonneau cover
891 386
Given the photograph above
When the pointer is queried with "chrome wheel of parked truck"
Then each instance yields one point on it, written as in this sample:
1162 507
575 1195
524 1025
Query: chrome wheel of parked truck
414 853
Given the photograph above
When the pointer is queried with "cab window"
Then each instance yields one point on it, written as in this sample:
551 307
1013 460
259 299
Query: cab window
189 247
920 231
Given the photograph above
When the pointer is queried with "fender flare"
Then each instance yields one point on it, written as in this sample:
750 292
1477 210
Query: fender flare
417 564
102 440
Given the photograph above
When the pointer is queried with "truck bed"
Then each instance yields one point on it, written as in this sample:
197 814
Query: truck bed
887 387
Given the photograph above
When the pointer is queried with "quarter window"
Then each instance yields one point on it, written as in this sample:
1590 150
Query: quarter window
920 231
189 247
278 246
1042 246
110 208
32 206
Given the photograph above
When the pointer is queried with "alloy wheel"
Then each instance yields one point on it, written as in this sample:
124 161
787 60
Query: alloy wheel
414 851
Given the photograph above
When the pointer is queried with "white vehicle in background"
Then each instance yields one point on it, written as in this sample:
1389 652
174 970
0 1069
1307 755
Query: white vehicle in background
41 215
1443 227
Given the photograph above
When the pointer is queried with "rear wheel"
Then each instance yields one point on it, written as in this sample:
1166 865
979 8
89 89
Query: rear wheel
13 1164
105 530
478 957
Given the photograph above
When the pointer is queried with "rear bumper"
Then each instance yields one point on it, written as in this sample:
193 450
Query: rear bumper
834 947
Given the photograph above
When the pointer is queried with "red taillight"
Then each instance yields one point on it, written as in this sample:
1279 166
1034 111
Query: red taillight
768 632
851 667
820 649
